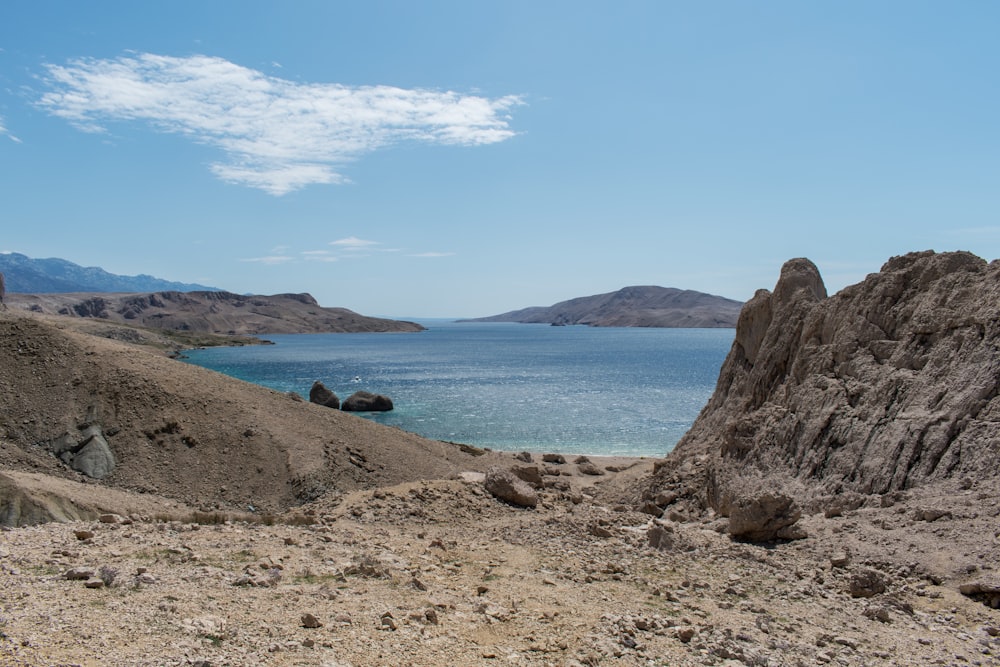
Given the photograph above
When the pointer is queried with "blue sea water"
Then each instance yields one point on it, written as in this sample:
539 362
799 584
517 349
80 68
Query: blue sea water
573 389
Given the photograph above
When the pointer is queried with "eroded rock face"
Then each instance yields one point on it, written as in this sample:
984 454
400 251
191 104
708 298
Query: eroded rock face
887 384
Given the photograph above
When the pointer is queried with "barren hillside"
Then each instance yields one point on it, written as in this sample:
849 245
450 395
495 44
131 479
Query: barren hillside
210 312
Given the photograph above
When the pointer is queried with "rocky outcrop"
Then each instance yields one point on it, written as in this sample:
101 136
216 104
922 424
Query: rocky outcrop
886 385
320 395
87 452
365 401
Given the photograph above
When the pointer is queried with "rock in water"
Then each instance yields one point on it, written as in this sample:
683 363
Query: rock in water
363 401
510 488
887 384
320 395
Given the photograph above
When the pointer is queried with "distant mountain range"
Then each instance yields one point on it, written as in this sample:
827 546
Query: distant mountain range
52 276
639 306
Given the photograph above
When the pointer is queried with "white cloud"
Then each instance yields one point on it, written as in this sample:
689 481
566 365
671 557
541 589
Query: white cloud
270 259
277 135
5 131
319 256
353 243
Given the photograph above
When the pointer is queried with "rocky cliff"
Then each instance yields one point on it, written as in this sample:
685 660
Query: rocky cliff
889 384
637 306
211 312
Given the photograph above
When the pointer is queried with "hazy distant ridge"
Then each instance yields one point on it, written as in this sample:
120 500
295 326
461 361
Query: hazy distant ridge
640 306
53 276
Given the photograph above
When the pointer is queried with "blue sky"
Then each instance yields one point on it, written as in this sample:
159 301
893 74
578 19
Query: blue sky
442 159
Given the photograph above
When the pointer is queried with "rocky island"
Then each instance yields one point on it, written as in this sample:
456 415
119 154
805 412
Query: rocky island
639 306
836 503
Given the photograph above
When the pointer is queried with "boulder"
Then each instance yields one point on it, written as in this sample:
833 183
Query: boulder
87 452
530 474
987 592
866 583
364 401
588 468
510 488
320 395
764 518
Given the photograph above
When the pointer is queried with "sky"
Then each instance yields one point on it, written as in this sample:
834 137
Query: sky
463 159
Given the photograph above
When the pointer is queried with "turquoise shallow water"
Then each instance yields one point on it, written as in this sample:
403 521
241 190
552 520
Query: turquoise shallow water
585 390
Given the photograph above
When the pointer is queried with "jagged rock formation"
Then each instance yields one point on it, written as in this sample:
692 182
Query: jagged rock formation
637 306
889 384
211 312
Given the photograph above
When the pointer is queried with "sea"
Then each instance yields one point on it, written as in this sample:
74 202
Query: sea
506 386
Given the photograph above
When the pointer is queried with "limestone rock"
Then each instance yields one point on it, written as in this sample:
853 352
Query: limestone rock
866 584
530 474
364 401
588 468
320 395
889 383
88 452
310 621
763 518
988 592
510 488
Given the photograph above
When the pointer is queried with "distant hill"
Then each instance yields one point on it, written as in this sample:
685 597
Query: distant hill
641 306
49 276
210 312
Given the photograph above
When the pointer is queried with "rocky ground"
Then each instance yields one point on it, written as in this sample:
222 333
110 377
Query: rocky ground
242 526
443 573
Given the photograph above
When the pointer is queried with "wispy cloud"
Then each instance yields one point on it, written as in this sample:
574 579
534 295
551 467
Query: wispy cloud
270 259
353 243
5 132
350 248
277 135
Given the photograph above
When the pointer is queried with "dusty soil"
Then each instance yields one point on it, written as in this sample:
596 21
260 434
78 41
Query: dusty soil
397 558
442 573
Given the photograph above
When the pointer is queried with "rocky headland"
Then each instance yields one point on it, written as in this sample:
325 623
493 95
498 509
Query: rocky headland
214 312
638 306
836 503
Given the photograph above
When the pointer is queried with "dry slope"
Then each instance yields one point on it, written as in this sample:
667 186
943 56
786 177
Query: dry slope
188 433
